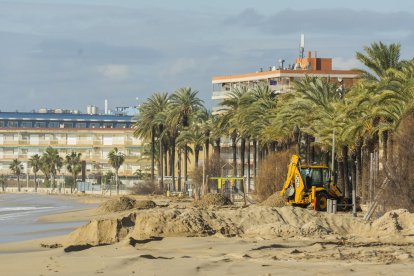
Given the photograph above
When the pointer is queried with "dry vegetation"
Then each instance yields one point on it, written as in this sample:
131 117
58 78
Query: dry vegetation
123 203
272 174
400 168
212 200
213 169
146 188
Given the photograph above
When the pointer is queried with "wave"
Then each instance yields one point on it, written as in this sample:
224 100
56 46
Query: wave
7 213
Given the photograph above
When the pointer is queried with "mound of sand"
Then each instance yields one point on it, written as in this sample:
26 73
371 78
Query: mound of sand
212 200
275 200
101 232
118 204
124 203
394 222
144 204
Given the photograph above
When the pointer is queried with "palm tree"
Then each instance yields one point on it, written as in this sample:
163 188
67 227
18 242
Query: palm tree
184 103
379 58
116 159
44 167
230 108
35 163
16 167
74 166
217 127
147 122
52 163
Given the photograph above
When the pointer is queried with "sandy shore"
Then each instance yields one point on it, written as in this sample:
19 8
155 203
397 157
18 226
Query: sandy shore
190 256
244 254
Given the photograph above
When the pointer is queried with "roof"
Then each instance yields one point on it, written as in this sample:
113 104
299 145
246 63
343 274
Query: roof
285 73
63 117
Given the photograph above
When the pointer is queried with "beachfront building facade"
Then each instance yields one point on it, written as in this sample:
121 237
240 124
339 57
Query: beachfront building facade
280 78
23 135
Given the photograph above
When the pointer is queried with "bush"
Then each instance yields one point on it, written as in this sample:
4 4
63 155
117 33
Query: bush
399 168
146 188
213 169
272 173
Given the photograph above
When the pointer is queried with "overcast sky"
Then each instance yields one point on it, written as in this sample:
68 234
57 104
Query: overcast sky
71 53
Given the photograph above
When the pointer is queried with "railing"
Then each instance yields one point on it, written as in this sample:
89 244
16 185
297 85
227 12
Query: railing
280 89
220 95
10 142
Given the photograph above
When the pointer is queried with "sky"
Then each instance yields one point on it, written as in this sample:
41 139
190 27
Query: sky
73 53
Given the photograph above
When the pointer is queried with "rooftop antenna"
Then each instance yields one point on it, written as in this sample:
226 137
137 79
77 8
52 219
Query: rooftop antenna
302 46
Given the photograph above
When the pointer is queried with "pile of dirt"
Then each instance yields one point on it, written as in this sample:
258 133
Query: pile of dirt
117 204
101 232
251 222
145 204
212 200
275 200
394 222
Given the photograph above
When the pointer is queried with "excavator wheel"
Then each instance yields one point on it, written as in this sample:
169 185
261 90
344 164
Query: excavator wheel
321 201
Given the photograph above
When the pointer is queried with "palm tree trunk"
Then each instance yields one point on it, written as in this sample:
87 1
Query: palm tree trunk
385 145
35 180
172 162
207 149
217 148
259 153
346 171
341 180
358 152
390 148
185 163
307 148
165 159
152 154
196 155
242 155
74 183
179 170
117 182
353 169
234 148
248 165
160 165
327 159
18 183
254 157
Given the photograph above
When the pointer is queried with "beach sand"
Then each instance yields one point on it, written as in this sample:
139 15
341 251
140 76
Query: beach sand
384 247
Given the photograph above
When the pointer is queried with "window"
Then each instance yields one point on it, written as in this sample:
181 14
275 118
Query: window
94 125
2 124
80 125
67 125
120 125
26 124
108 125
54 125
12 124
39 124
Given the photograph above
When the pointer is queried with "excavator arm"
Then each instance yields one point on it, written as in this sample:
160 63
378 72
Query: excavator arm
292 171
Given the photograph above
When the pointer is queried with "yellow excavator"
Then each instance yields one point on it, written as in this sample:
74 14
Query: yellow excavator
309 185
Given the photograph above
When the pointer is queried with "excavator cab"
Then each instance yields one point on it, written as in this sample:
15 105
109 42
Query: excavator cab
316 176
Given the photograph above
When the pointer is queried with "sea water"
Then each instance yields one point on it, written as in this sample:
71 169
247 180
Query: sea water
20 213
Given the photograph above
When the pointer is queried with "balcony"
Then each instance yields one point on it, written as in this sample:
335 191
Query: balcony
280 89
220 95
10 143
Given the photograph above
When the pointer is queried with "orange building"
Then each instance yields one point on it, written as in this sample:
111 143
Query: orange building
279 78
